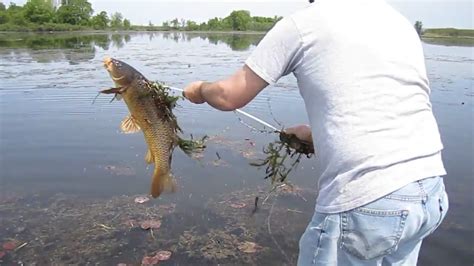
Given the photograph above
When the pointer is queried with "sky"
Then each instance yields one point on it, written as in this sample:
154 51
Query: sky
433 13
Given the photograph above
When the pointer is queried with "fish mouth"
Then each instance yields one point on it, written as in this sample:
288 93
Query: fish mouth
108 63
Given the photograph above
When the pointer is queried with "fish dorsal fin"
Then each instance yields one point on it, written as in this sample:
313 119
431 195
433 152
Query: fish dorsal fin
129 125
149 158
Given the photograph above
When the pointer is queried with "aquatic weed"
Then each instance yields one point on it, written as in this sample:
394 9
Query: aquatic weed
288 149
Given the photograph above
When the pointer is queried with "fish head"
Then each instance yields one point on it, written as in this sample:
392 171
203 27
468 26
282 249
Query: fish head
121 73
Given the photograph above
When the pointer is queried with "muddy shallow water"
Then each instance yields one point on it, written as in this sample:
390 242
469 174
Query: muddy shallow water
69 178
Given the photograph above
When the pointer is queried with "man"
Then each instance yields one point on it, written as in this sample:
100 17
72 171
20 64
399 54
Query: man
360 70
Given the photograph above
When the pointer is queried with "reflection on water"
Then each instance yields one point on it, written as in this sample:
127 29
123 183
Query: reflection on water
63 41
73 48
68 178
237 42
81 48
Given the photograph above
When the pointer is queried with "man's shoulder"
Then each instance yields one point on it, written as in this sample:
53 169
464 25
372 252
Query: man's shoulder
303 12
304 17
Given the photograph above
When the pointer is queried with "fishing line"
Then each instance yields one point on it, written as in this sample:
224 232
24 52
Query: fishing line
271 113
252 128
260 121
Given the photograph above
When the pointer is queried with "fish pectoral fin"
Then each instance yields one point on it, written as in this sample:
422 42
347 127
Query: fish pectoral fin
112 91
129 125
149 158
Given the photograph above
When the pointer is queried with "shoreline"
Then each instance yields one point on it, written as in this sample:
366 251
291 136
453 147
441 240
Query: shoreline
133 31
428 37
427 33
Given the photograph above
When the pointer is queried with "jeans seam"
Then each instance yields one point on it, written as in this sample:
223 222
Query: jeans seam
404 198
440 182
423 195
374 212
441 211
343 226
400 231
323 229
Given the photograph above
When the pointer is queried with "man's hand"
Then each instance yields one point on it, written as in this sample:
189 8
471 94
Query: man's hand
193 92
299 138
302 132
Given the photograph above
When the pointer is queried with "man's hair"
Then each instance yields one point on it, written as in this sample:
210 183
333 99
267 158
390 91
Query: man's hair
311 1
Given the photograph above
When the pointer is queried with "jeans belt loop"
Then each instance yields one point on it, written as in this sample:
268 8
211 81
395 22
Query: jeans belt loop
424 196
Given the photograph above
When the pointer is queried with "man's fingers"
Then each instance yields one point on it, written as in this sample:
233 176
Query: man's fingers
302 132
192 92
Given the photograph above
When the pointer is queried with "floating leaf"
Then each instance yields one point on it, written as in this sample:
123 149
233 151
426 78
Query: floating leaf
163 255
238 205
170 207
120 170
150 224
141 199
147 261
11 245
249 247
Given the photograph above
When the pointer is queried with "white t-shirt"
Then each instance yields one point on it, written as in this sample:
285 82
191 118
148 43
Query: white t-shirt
361 72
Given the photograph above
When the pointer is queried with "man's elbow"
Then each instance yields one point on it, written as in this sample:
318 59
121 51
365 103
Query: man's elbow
228 101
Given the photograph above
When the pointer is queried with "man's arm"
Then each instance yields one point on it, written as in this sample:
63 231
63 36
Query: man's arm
227 94
276 55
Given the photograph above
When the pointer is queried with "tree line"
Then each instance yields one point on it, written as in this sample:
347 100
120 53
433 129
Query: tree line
41 15
239 20
70 15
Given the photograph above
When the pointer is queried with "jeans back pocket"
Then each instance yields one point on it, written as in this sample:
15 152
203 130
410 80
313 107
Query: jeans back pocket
369 233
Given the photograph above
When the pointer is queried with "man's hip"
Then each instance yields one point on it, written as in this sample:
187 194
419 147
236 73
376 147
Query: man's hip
389 229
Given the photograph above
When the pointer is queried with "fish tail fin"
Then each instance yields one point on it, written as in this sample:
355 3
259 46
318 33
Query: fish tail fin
162 182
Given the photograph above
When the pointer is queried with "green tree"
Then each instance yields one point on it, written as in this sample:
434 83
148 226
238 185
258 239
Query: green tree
100 21
239 20
16 15
126 24
3 14
38 11
175 23
165 25
191 25
203 26
75 12
116 20
419 28
214 23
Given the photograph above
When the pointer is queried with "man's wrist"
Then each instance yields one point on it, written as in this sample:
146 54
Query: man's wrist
205 89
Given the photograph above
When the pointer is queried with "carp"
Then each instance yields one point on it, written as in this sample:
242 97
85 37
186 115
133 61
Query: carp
150 108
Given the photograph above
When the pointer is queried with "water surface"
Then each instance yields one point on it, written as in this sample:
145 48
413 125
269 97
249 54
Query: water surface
66 170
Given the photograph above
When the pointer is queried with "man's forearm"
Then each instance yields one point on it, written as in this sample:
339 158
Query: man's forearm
215 95
228 94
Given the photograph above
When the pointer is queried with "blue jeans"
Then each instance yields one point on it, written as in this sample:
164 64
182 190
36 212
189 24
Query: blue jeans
388 231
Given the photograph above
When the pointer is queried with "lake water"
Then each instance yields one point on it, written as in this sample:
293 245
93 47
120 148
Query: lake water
69 178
